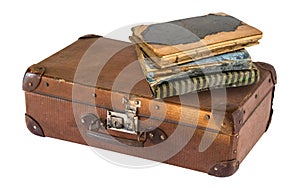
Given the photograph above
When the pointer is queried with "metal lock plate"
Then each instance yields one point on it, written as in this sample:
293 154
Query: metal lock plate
127 121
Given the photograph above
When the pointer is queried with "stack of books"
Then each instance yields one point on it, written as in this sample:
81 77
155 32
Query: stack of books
196 54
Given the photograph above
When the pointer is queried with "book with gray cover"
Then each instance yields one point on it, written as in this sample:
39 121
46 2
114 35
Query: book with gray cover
181 41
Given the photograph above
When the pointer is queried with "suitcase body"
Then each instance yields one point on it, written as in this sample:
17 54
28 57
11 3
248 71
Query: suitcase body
93 92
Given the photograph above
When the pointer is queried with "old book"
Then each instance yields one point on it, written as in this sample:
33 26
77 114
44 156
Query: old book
238 60
199 79
181 41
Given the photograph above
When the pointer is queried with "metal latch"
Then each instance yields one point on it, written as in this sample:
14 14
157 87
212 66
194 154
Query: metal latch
127 121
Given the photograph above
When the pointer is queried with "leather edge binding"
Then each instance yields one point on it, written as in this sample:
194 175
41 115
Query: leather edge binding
33 126
89 36
271 111
237 118
32 77
224 168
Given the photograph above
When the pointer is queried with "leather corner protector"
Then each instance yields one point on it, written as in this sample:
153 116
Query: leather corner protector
89 36
269 68
33 126
32 77
224 168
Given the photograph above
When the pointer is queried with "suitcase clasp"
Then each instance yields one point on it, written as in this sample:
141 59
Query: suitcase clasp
127 121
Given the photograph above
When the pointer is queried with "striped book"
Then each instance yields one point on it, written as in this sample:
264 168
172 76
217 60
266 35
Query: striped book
206 82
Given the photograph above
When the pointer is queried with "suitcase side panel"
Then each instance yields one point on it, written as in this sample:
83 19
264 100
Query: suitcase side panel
253 100
222 158
254 127
256 113
57 120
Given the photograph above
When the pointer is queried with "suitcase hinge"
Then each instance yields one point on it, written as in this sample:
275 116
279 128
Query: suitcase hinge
127 121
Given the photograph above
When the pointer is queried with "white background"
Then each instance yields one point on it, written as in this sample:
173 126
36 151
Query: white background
32 30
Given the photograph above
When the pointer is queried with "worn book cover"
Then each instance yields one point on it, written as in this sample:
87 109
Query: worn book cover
229 70
237 60
185 40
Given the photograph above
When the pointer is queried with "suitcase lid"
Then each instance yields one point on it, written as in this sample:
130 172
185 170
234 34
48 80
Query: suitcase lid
103 72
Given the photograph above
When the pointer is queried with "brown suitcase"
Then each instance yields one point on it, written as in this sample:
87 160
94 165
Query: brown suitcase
93 92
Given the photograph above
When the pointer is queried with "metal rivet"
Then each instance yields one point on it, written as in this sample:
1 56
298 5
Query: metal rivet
151 135
207 116
216 169
94 95
156 107
162 137
34 127
82 120
234 151
30 84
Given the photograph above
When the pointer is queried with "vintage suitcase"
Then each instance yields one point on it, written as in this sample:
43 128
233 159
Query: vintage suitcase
94 92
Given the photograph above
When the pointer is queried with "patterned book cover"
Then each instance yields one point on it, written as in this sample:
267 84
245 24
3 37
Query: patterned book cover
205 82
